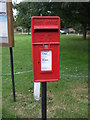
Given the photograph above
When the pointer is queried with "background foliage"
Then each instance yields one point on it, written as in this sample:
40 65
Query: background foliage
74 14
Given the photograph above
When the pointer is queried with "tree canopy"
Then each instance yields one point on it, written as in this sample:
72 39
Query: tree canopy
71 14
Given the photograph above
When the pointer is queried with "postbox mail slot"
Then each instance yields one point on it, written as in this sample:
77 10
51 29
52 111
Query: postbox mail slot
45 30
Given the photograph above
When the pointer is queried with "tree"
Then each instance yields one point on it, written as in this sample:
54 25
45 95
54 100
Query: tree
23 17
71 14
77 13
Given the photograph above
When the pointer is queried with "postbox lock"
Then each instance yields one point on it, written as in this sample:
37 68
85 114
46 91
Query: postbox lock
38 62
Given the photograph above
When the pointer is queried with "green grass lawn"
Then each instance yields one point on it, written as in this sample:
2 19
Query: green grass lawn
67 98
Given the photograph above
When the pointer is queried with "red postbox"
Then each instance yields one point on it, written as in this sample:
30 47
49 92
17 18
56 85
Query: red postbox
45 48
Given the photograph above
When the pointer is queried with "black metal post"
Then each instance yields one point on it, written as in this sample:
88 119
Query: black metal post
44 100
12 72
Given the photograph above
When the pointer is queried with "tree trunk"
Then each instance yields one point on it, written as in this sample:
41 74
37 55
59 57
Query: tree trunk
28 31
84 32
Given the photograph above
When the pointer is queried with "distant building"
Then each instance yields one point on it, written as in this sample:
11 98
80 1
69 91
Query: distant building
71 30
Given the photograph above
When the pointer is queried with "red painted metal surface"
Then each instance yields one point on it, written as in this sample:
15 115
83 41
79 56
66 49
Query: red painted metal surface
45 48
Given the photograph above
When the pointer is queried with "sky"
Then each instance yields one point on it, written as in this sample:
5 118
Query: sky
16 1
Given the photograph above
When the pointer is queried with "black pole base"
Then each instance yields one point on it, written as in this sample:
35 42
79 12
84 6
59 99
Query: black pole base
44 100
12 73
